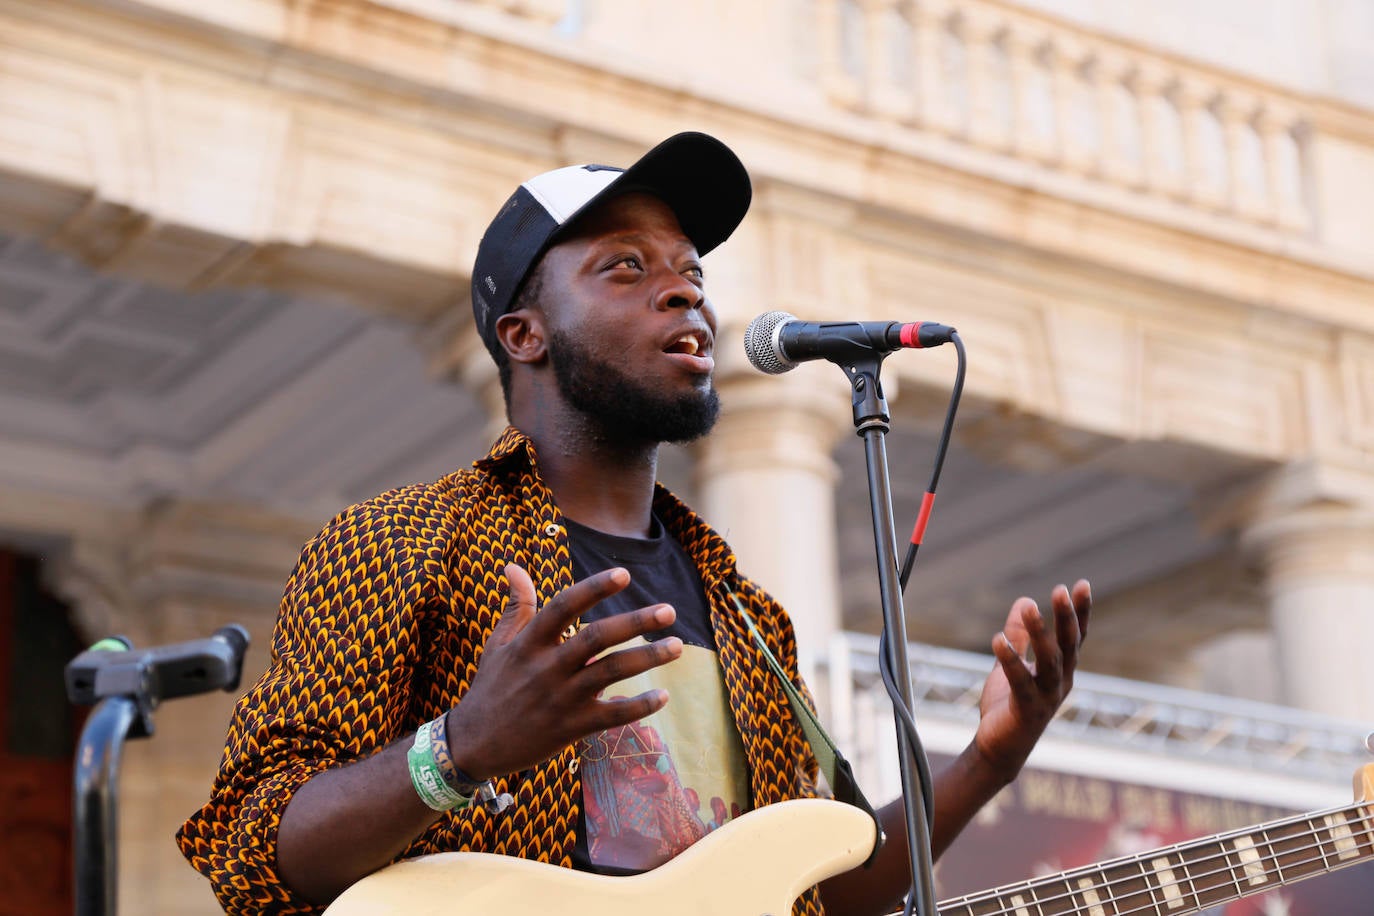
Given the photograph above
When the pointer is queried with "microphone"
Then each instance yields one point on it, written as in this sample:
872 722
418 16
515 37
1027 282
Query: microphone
776 342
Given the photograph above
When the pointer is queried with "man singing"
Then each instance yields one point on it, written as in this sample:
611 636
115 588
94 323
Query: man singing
550 623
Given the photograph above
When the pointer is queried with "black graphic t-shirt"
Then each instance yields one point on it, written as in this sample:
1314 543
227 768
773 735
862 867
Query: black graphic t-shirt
655 787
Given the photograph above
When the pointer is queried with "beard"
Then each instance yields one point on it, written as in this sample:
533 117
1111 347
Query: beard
620 405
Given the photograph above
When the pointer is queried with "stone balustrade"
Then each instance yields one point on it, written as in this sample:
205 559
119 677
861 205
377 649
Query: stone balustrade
1010 82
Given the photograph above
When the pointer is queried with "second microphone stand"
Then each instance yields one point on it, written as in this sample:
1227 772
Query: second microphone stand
872 422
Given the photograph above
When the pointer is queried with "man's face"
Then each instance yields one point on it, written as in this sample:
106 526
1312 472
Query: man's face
630 334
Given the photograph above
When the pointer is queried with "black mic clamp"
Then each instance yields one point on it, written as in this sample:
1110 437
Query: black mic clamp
112 668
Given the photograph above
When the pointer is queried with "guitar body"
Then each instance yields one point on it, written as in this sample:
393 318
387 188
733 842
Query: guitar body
756 864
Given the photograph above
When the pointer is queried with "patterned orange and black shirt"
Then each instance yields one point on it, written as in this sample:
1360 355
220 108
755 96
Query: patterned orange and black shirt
381 629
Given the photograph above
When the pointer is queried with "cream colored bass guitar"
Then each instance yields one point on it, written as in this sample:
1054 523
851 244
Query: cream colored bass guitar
759 863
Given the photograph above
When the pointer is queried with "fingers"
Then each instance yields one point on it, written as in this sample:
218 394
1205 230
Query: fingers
1068 630
619 711
1083 605
1055 648
1018 673
609 632
611 712
577 658
1016 630
563 609
1065 618
626 663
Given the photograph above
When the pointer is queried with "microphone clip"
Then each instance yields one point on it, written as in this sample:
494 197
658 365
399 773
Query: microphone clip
866 394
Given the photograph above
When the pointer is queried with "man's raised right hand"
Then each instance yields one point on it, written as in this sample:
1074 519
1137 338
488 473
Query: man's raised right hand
535 692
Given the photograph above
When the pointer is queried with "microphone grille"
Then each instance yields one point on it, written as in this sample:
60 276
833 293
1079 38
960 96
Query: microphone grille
761 343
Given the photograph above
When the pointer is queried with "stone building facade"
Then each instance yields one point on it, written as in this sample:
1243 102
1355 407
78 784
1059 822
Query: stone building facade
234 244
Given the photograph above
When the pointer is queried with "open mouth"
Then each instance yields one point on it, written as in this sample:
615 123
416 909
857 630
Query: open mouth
690 343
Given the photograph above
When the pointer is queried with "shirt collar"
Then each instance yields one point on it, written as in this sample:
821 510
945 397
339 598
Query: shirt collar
708 550
512 444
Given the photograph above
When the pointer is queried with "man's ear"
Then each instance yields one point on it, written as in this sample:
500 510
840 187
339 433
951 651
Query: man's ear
521 333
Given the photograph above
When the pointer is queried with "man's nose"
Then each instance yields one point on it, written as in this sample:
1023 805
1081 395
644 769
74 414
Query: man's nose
677 291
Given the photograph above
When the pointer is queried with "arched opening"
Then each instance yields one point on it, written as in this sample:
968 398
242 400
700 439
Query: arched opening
39 729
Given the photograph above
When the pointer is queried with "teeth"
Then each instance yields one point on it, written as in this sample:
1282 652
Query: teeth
689 344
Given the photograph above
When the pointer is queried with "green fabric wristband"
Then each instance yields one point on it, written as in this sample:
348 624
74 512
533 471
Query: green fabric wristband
427 777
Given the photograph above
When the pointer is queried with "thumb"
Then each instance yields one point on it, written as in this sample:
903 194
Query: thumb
520 606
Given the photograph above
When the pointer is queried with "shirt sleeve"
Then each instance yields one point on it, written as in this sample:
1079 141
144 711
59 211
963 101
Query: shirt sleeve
337 688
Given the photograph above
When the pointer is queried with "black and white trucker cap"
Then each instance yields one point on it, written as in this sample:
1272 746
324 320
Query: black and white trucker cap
696 175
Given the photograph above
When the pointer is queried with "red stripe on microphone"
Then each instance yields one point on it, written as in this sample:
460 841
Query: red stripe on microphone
922 518
909 332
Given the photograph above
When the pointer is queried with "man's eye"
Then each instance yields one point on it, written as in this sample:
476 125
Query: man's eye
628 261
695 272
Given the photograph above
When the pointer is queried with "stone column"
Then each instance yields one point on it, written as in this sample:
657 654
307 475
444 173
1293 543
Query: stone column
1148 84
839 85
1281 164
1114 162
1064 61
985 128
931 110
766 479
1318 566
881 96
1026 133
1193 97
1232 113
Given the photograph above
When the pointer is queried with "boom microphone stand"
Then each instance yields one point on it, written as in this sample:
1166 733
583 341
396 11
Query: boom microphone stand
776 342
872 422
128 684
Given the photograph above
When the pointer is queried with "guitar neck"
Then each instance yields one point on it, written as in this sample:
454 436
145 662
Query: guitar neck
1191 876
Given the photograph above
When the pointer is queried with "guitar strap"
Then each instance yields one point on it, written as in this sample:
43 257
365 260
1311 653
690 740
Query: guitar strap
838 773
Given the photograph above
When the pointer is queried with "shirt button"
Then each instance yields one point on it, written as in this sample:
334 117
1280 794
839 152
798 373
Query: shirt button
551 530
574 765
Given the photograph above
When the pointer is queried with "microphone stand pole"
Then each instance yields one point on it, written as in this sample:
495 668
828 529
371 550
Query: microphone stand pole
872 421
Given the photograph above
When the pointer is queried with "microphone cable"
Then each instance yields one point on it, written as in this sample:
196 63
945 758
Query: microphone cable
941 448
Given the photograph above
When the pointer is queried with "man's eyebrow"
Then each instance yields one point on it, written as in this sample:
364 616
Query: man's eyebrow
638 238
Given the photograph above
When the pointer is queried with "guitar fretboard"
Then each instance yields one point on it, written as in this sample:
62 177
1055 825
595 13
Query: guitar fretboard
1190 876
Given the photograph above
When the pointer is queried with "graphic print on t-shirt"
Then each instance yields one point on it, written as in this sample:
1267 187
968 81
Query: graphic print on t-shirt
655 787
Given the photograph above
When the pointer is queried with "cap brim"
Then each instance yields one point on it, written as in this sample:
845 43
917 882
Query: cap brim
696 175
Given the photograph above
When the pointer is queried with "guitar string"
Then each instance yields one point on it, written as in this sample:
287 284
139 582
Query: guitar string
1110 884
1145 888
1177 847
1113 898
1151 904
